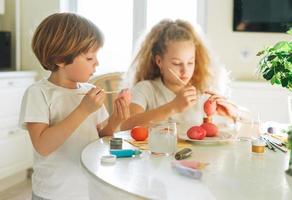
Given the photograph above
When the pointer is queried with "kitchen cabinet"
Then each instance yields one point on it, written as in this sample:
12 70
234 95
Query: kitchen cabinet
15 145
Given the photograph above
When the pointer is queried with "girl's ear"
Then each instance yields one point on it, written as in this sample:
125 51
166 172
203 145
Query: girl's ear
158 61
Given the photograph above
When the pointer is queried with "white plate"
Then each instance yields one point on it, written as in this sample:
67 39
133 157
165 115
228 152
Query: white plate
222 138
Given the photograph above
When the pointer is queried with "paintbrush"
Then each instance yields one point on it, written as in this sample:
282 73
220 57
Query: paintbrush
176 76
106 92
269 145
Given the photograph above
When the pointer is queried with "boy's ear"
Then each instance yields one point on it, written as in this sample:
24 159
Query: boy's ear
60 65
158 61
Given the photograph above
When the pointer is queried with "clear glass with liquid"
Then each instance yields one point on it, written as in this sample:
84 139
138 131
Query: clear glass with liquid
163 138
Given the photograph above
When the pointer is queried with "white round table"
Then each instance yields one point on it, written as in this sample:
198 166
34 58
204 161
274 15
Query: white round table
234 172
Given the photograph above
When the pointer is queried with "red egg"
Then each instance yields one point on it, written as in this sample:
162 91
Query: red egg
196 133
139 133
210 107
211 129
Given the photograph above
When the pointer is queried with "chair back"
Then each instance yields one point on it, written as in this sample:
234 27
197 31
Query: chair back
109 82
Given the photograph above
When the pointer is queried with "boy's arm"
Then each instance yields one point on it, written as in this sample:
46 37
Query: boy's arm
47 139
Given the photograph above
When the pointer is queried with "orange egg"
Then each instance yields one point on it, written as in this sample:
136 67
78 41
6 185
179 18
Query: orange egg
139 133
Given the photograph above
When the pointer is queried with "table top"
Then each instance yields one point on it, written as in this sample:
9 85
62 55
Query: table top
234 172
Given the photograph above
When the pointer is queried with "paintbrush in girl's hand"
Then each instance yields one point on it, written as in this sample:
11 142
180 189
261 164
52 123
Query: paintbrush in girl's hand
176 76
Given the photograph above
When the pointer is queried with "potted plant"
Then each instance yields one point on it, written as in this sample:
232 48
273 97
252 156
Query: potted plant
276 67
276 63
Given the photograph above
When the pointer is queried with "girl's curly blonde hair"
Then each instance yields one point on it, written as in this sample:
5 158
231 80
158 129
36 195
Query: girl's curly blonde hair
156 43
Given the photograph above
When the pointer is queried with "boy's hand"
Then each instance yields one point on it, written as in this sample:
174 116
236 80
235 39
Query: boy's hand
93 100
121 112
126 94
185 98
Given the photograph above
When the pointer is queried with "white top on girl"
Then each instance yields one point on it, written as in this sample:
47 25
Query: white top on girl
151 94
59 174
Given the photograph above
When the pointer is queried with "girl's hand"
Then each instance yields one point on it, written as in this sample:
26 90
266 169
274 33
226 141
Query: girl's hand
224 107
185 98
93 100
121 112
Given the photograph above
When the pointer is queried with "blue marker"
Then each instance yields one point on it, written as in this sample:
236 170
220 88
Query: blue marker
122 153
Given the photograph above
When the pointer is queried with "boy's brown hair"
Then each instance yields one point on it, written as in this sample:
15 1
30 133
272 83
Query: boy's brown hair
62 36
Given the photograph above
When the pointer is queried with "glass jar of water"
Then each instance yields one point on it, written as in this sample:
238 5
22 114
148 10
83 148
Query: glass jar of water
163 138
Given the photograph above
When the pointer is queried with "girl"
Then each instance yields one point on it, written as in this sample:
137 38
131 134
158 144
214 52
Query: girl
60 121
172 75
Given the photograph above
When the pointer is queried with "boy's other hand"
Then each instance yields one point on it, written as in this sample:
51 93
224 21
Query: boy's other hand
121 112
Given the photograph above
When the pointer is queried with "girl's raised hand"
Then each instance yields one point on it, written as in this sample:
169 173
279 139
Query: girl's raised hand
93 100
185 98
224 107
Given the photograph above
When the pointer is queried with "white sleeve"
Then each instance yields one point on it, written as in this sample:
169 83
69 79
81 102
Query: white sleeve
139 94
34 107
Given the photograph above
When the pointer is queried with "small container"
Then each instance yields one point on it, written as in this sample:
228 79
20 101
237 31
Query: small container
116 143
182 154
258 146
108 159
123 153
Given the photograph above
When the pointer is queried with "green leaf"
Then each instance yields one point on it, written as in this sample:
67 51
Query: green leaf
279 67
290 31
271 57
279 45
260 53
269 74
284 82
275 80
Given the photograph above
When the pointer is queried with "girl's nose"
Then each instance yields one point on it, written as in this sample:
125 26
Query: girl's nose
183 69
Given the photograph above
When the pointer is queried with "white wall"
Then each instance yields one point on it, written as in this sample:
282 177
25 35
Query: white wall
230 45
31 16
227 44
2 7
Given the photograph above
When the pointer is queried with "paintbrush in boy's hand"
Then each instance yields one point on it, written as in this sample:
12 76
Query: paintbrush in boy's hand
106 92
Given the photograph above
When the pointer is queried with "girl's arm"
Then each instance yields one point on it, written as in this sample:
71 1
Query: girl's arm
229 109
142 118
46 139
184 99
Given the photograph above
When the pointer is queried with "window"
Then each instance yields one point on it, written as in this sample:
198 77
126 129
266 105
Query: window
115 19
175 9
122 22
